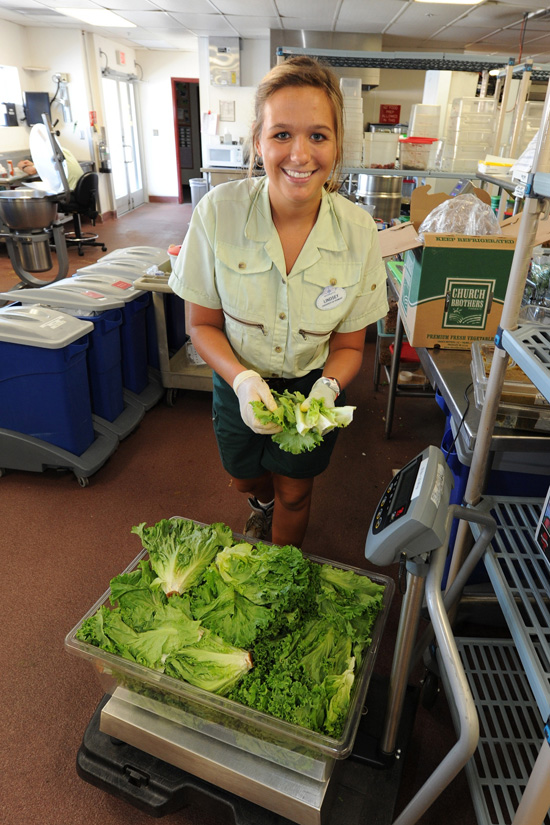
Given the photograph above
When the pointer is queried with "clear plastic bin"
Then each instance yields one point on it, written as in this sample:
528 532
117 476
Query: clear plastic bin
473 105
424 120
224 719
350 86
520 399
465 122
414 152
380 150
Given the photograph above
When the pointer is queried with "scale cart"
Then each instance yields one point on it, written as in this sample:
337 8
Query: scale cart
177 371
150 752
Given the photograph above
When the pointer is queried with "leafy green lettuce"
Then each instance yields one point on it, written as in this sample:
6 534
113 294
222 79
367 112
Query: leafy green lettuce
261 624
180 550
302 429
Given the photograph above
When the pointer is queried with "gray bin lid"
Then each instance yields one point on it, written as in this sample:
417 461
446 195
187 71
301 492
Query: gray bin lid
37 326
128 268
114 286
148 254
65 297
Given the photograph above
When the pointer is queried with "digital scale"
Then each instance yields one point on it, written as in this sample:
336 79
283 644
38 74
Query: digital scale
150 753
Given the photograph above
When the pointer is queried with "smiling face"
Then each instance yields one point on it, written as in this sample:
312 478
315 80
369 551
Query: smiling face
298 145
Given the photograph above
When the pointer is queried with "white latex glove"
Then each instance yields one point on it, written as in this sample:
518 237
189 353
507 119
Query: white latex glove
321 391
250 386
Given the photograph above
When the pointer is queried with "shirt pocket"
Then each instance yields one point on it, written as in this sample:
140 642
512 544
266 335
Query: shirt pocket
243 279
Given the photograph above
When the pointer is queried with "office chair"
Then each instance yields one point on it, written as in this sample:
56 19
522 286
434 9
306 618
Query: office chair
83 202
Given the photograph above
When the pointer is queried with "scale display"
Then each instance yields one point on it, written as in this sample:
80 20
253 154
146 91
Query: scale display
411 514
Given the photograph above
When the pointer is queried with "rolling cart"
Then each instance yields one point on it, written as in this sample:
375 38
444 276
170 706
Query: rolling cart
179 370
273 775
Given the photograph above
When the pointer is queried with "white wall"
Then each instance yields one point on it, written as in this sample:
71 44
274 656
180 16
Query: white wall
157 115
254 64
402 88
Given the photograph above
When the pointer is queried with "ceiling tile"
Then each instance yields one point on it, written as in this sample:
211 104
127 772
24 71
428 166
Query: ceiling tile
204 23
258 8
149 19
191 6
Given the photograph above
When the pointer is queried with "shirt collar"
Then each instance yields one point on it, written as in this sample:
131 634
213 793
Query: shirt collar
326 234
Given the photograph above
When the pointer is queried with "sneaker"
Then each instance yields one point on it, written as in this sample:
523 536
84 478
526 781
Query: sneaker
259 521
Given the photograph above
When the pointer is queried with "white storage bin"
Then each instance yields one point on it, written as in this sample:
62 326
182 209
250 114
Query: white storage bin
350 86
473 105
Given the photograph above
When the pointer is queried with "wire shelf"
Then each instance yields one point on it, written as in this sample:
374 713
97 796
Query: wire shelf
510 729
529 346
521 580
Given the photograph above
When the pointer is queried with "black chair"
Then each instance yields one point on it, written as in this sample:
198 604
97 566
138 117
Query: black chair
83 203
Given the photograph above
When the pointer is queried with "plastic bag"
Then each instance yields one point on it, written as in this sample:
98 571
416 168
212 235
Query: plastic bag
461 215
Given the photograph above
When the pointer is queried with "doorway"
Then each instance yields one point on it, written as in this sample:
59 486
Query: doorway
122 127
185 99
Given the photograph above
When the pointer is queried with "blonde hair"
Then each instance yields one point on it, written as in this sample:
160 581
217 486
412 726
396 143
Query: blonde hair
301 71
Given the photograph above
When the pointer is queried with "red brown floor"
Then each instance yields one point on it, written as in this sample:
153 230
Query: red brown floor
61 544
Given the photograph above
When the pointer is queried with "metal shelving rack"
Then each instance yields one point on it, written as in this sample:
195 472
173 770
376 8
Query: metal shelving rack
509 775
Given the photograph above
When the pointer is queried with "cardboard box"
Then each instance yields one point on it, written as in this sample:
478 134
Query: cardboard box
453 286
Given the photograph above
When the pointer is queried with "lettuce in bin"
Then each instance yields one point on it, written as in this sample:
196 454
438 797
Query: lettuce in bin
262 625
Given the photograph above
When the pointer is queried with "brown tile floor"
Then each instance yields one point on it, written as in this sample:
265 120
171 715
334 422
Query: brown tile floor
61 544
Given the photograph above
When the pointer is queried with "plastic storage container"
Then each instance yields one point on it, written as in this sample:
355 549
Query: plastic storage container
219 717
521 404
133 330
424 120
380 150
44 389
414 152
103 356
350 86
147 254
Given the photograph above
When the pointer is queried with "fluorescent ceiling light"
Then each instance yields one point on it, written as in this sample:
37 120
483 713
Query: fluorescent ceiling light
98 17
452 2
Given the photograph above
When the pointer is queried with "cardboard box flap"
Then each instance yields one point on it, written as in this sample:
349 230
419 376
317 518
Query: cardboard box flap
511 226
398 239
422 203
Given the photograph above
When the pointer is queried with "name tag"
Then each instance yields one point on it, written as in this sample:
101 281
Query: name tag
330 297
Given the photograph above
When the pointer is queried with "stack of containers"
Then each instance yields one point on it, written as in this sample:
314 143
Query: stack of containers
470 133
353 121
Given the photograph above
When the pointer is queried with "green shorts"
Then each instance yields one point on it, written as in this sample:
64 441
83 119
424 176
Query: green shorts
246 454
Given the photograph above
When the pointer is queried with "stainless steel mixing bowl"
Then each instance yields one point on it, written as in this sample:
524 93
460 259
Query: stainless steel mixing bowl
26 209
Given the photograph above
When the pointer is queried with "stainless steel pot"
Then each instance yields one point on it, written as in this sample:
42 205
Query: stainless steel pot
26 209
382 193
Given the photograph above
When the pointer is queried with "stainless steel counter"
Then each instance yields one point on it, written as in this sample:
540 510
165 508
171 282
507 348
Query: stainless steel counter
449 371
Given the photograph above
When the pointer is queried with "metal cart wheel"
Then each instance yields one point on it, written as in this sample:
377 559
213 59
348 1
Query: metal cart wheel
430 690
171 395
83 481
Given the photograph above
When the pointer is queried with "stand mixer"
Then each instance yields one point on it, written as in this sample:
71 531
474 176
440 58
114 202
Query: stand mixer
28 216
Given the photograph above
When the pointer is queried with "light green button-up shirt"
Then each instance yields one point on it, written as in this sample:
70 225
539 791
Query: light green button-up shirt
278 324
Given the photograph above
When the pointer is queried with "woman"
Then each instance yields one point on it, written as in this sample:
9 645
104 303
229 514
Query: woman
282 276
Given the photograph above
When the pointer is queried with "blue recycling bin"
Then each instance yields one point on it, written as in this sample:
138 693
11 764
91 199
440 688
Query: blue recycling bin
44 389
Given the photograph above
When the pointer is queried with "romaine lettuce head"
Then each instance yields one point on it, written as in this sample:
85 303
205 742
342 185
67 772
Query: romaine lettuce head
211 664
266 574
220 608
180 550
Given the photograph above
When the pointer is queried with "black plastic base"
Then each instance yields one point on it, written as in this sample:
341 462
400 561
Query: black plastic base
366 784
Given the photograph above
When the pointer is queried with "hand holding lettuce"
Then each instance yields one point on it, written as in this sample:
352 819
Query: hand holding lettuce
302 429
